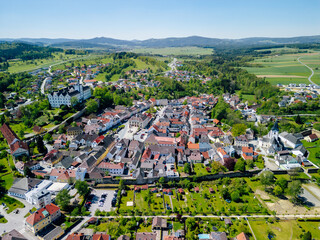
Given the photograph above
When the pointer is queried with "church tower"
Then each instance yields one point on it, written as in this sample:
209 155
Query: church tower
274 132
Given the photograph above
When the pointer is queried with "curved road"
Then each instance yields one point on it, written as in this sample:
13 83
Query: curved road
312 72
49 70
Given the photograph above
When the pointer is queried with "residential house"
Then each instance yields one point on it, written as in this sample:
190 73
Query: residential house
159 223
112 168
74 131
42 218
17 147
146 236
311 138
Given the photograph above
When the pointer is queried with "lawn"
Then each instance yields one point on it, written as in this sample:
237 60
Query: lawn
156 205
3 220
11 203
289 229
313 148
246 97
124 200
175 51
200 170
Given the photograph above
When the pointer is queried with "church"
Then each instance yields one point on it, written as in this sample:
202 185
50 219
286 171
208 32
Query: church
271 143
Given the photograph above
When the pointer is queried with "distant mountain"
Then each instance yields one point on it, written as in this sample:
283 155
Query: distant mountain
109 43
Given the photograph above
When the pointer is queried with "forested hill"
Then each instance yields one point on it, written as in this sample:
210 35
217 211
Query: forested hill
13 50
106 43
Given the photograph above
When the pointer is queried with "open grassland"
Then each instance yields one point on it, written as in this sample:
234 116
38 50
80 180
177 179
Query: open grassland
289 229
21 66
175 51
286 69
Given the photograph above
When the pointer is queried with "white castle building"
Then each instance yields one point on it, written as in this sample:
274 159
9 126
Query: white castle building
63 96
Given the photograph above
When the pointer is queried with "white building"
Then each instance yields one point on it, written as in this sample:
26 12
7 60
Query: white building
63 96
40 196
113 169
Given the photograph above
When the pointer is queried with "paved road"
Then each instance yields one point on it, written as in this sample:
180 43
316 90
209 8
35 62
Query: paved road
173 65
312 72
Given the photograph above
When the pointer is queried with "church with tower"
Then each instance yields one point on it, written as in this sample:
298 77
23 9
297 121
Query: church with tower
271 143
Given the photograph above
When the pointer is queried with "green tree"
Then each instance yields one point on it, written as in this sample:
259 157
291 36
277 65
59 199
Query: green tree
306 236
294 189
240 165
63 199
238 129
82 187
27 172
266 178
74 101
277 190
235 196
185 102
92 106
162 181
187 168
40 145
282 182
48 137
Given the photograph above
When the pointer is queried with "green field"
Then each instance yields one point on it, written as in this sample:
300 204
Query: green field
175 51
21 66
286 69
290 229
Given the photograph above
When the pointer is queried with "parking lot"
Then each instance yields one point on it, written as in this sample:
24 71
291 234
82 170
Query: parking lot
106 206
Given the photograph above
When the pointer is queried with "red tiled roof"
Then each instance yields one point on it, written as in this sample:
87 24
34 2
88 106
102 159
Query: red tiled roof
8 134
38 215
109 165
75 236
101 236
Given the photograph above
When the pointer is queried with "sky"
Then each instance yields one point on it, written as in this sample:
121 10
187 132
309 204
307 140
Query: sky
144 19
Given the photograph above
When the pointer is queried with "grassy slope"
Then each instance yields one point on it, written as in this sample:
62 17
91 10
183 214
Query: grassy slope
20 66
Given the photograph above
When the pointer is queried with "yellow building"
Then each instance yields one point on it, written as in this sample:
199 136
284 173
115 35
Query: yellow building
42 218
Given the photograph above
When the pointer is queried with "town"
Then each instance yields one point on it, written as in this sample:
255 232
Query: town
168 136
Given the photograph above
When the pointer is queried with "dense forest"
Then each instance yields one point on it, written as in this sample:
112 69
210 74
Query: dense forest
24 51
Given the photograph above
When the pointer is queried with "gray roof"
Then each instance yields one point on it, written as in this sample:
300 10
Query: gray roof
21 186
14 235
290 137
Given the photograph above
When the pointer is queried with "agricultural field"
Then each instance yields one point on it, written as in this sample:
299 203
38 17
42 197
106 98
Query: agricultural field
285 69
289 229
22 66
175 51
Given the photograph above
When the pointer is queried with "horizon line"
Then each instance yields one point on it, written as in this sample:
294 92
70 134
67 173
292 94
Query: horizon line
52 38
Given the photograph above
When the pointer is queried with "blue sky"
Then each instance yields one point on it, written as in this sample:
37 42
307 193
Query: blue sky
144 19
